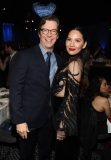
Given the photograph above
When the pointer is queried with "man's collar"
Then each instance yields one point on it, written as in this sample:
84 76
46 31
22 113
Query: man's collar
12 55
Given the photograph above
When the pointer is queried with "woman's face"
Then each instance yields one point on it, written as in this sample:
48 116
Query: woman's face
104 86
75 42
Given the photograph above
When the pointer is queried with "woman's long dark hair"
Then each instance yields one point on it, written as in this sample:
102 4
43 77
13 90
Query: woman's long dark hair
93 89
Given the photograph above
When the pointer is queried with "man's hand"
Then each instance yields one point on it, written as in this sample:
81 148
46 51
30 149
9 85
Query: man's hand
22 130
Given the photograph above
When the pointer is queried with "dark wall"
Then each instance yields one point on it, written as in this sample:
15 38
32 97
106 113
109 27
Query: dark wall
26 36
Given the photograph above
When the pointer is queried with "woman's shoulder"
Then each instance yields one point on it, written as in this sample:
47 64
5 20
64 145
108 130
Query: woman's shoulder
74 65
101 99
99 103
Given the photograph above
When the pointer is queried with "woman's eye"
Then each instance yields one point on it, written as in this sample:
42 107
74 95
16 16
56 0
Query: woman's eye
77 40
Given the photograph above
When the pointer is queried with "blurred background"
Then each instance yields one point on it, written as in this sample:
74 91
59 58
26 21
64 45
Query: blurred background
94 15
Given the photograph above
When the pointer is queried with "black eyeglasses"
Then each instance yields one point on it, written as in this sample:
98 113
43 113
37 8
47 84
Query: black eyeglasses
46 31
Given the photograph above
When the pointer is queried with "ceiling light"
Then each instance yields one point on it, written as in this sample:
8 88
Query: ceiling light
44 10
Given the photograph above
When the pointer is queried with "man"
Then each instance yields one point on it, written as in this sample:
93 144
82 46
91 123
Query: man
11 49
30 91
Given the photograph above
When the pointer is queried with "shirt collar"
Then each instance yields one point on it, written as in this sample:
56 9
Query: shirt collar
12 55
43 50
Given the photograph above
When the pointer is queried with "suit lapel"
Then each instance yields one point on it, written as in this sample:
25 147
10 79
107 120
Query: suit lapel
58 62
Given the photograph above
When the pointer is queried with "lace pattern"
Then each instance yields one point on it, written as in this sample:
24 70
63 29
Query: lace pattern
67 113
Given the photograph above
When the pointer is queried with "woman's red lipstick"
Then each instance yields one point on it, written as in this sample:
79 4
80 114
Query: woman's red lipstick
71 49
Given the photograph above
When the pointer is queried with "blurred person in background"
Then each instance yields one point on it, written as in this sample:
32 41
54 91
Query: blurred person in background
3 54
93 129
11 50
99 52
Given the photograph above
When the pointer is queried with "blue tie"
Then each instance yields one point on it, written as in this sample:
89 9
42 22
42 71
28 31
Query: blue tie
48 61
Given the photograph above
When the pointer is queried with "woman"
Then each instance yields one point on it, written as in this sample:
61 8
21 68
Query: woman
95 111
66 93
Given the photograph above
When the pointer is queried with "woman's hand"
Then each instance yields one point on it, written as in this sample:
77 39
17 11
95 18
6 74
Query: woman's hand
60 135
6 59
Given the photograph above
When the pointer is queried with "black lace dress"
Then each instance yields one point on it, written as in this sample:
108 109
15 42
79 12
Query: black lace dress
66 94
67 105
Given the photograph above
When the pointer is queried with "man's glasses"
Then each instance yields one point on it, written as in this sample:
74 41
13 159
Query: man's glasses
46 31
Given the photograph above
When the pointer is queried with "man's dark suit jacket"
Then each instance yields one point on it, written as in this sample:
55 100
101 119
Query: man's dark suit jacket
30 87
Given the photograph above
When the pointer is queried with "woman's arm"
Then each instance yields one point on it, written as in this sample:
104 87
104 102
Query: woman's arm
3 65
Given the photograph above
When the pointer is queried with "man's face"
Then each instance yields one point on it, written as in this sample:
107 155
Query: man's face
48 39
7 49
